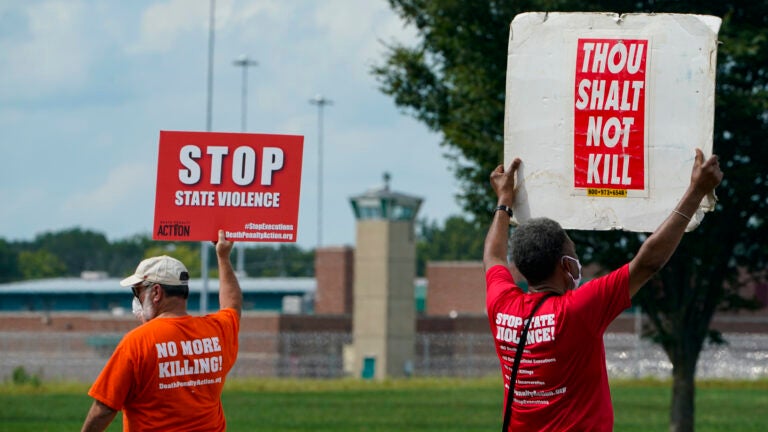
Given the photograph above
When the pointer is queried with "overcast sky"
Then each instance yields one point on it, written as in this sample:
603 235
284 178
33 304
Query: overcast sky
86 86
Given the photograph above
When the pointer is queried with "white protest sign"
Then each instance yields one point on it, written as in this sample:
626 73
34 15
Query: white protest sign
605 112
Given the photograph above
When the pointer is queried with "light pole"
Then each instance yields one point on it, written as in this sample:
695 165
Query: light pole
320 101
208 127
244 62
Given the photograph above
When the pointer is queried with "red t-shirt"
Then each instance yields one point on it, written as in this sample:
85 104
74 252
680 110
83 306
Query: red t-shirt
168 374
562 383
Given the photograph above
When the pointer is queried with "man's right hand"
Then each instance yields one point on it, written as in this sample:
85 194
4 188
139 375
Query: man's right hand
495 247
230 294
223 246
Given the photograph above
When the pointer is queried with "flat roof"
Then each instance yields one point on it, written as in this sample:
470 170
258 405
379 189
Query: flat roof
75 285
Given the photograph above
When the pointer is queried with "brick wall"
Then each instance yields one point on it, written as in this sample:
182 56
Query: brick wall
334 272
83 322
455 286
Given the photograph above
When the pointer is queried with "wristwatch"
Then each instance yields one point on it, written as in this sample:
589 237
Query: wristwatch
505 208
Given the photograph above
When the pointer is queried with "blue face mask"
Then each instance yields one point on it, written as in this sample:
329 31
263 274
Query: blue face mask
576 280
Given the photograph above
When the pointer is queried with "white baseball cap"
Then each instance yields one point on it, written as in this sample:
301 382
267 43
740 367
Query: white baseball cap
161 269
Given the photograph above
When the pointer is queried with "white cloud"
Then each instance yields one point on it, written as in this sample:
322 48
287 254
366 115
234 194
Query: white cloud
53 54
164 23
271 9
356 31
331 35
127 190
21 210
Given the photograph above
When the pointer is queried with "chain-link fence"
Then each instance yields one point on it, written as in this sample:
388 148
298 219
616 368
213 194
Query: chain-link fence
80 356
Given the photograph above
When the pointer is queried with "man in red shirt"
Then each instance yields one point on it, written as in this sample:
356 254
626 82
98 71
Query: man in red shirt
562 383
168 373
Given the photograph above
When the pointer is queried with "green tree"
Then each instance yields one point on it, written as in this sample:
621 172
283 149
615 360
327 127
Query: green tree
9 263
125 254
40 264
458 240
187 253
278 261
78 249
453 80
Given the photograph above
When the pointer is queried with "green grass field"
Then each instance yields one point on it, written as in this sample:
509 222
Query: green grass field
407 405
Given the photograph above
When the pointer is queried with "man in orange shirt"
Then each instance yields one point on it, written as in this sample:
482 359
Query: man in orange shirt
168 373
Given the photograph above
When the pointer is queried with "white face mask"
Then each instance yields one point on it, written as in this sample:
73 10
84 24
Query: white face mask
143 311
136 308
576 280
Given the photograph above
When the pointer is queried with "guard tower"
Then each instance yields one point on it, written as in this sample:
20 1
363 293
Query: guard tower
384 317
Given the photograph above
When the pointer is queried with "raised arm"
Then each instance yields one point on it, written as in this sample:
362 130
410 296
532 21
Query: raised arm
230 294
496 246
659 247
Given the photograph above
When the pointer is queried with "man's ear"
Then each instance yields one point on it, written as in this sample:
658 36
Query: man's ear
566 270
157 293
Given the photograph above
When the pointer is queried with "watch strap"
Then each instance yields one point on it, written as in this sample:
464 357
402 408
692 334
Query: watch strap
504 208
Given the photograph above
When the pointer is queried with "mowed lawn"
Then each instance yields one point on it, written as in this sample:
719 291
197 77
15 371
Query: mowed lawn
402 405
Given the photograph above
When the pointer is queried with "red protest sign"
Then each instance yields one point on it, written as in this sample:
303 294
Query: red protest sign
246 184
609 116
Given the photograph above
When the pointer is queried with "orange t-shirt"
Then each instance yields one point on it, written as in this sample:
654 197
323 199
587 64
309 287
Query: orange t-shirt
168 374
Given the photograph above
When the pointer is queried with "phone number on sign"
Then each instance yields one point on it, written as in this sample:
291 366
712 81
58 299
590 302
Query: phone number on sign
613 193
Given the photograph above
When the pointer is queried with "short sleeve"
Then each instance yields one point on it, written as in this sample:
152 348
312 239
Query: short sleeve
498 279
599 301
229 322
116 379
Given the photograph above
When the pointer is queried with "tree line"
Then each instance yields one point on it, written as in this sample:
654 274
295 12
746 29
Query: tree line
69 252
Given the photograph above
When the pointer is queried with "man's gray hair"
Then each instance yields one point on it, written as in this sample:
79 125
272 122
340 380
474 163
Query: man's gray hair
537 247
